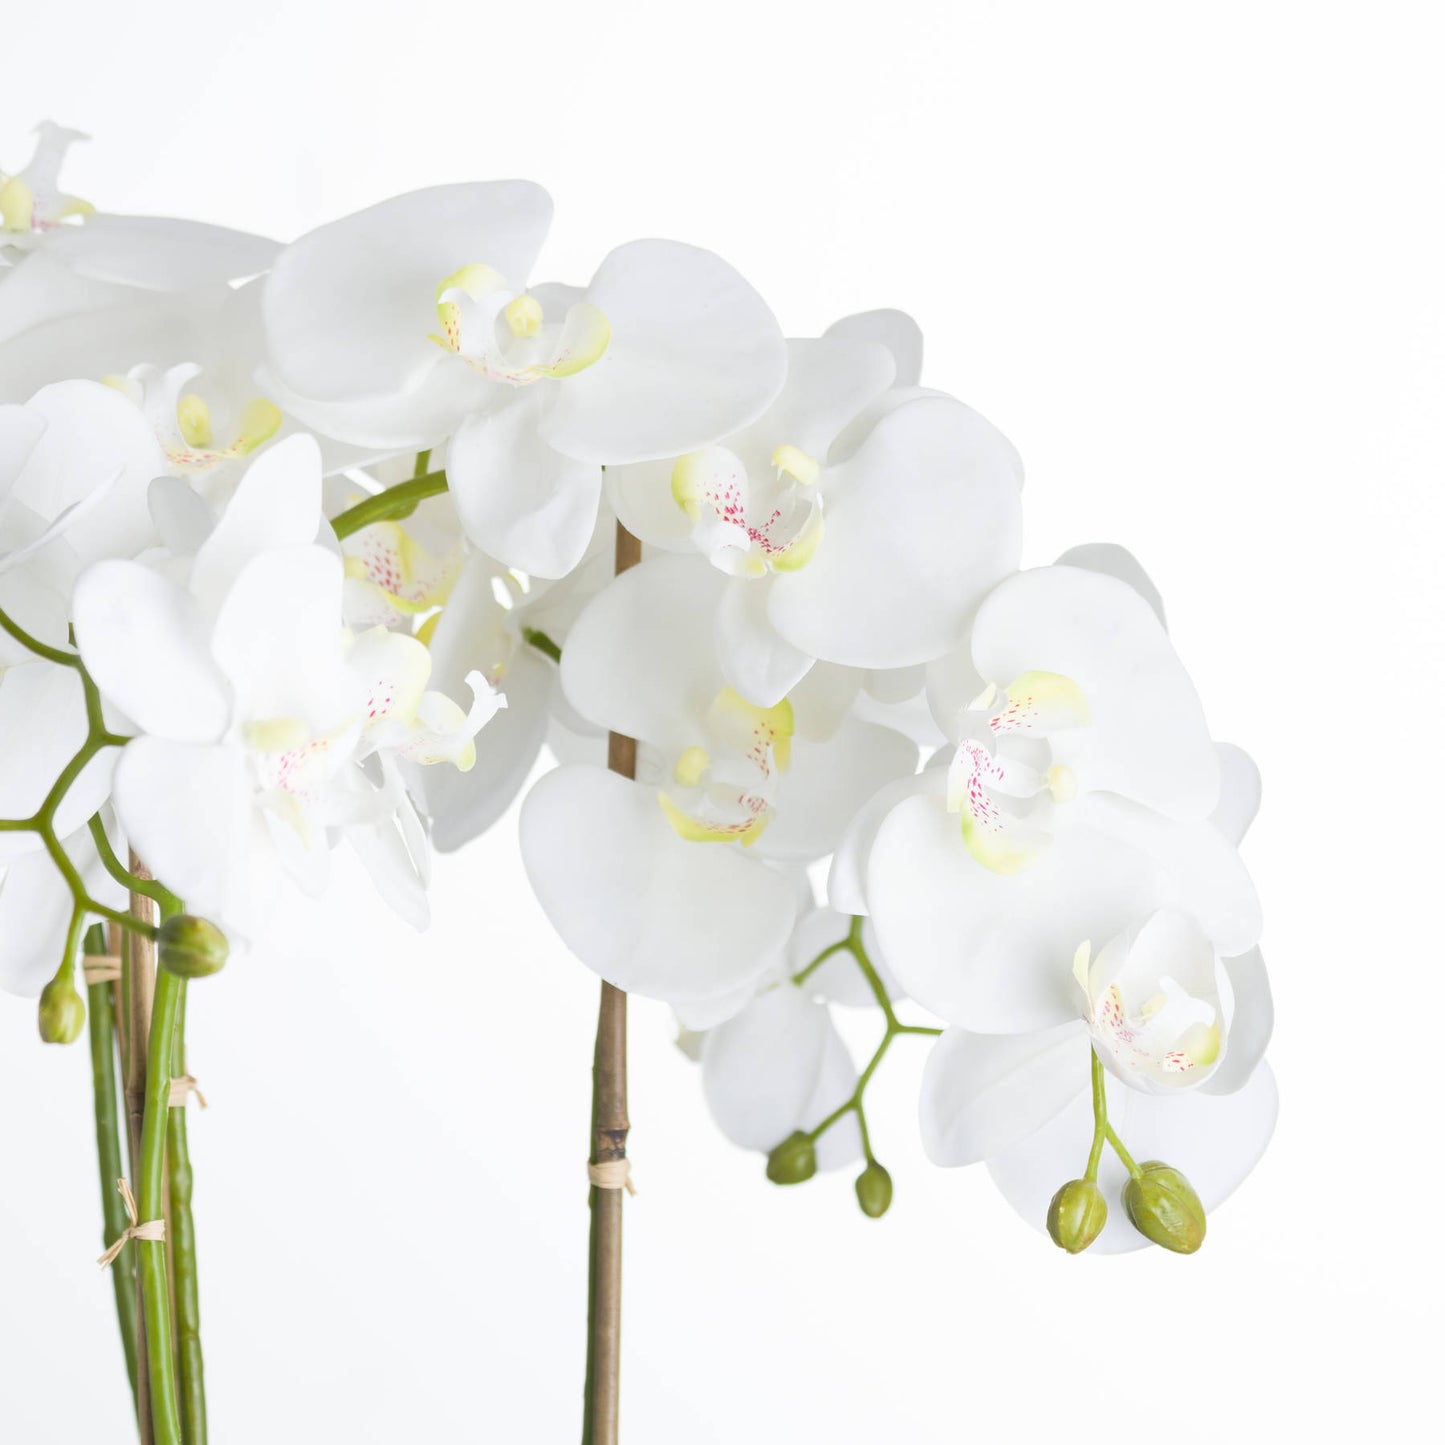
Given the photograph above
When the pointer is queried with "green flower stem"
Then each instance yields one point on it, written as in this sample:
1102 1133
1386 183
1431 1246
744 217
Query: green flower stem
181 1231
892 1029
109 1155
423 462
151 1199
391 505
534 637
150 888
1103 1129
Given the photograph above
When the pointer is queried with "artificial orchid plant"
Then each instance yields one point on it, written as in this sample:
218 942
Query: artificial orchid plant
334 542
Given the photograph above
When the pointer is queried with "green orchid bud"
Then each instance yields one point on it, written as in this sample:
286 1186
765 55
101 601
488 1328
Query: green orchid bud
794 1160
1077 1214
191 947
874 1188
1163 1207
62 1010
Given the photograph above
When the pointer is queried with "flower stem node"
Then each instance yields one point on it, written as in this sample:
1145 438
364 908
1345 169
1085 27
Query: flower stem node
1163 1207
874 1188
62 1011
191 947
1077 1214
794 1161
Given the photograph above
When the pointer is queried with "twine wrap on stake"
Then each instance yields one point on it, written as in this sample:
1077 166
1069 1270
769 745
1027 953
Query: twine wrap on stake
611 1174
101 967
182 1087
153 1230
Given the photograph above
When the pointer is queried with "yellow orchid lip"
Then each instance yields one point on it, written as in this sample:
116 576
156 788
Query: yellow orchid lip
577 343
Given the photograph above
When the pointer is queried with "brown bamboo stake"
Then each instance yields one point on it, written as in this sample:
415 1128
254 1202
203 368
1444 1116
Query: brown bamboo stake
138 989
609 1146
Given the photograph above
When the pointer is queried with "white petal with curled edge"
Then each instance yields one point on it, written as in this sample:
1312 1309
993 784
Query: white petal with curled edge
158 253
1239 792
42 726
641 495
462 806
896 330
639 659
848 872
92 433
124 611
20 429
1112 560
35 906
278 639
760 1069
1250 1026
1146 737
645 910
1214 1140
520 501
186 809
349 308
921 521
1199 869
276 504
984 1093
757 663
390 865
694 355
842 1144
827 782
829 382
407 421
993 951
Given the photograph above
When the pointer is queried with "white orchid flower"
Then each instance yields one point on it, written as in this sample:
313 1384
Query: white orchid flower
266 726
665 885
31 201
67 261
1182 1034
1074 688
412 321
861 525
1076 803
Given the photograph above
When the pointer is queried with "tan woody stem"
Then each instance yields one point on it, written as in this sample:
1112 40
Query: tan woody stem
609 1152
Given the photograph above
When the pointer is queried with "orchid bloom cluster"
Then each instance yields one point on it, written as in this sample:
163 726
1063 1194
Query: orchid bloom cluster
311 546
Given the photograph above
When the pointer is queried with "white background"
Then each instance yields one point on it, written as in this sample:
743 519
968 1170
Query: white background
1190 259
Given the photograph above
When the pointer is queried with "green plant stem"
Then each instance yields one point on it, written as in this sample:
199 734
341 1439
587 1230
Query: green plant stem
892 1029
109 1156
1103 1129
151 1200
391 505
181 1230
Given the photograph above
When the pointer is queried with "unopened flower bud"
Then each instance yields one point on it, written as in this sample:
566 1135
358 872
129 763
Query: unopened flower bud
1163 1207
793 1161
191 947
874 1188
62 1011
1077 1214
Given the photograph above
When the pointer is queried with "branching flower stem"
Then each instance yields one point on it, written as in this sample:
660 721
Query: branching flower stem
1103 1129
391 505
893 1027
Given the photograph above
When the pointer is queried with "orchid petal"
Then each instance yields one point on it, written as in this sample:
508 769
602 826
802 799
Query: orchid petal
650 913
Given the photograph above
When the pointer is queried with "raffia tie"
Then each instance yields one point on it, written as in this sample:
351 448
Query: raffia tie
611 1174
182 1088
153 1230
101 968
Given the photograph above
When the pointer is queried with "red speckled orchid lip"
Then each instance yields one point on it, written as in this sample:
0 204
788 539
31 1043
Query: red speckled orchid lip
1006 797
725 795
749 527
1156 1002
